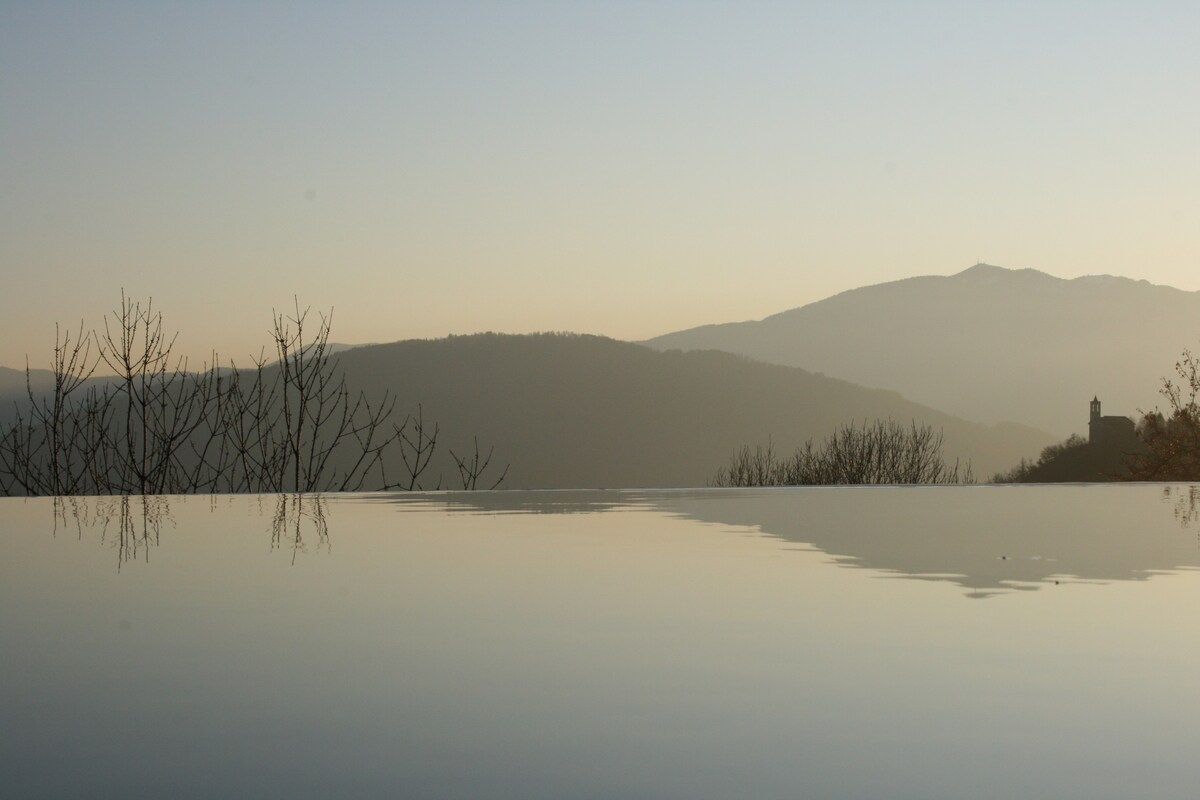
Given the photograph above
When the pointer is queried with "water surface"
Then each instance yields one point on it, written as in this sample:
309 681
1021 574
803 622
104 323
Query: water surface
875 642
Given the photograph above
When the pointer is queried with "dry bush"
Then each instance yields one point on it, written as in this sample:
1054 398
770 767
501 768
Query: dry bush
883 452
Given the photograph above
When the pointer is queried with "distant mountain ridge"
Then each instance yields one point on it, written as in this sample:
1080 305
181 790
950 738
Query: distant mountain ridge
569 410
15 384
14 381
986 344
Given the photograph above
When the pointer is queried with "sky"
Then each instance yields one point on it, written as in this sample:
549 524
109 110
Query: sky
623 168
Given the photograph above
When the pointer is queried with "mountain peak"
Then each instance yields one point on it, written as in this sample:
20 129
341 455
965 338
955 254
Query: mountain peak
987 343
991 272
982 269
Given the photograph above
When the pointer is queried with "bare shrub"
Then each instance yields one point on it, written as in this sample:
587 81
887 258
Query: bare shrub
883 452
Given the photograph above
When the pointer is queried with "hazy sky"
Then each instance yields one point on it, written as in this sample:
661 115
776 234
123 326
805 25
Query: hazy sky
612 167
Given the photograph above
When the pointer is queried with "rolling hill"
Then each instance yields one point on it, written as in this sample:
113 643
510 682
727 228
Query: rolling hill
987 344
584 411
13 381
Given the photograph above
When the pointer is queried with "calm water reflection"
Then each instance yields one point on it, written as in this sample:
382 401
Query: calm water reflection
763 643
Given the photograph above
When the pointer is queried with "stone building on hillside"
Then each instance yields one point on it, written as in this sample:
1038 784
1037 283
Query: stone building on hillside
1117 432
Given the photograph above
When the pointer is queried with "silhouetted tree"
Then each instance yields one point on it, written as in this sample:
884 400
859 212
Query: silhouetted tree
1172 442
155 427
471 468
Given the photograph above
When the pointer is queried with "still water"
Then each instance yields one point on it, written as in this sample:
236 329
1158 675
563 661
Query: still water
947 642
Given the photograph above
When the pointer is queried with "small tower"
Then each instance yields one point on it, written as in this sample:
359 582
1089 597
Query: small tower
1095 426
1095 408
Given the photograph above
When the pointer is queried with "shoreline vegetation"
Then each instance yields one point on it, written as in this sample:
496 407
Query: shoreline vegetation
882 452
1161 447
287 425
1165 446
293 423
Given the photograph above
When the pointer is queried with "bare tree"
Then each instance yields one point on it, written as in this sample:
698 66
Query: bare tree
42 452
317 414
155 427
1172 441
417 445
471 468
162 404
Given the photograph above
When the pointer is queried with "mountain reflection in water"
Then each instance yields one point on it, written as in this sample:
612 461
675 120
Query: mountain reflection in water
987 539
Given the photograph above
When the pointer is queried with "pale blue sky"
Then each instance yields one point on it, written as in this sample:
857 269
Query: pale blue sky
618 168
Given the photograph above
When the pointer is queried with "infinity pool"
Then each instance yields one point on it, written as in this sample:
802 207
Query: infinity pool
949 642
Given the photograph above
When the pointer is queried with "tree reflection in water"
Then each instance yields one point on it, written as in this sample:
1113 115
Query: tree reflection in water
293 514
1187 504
130 523
133 524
